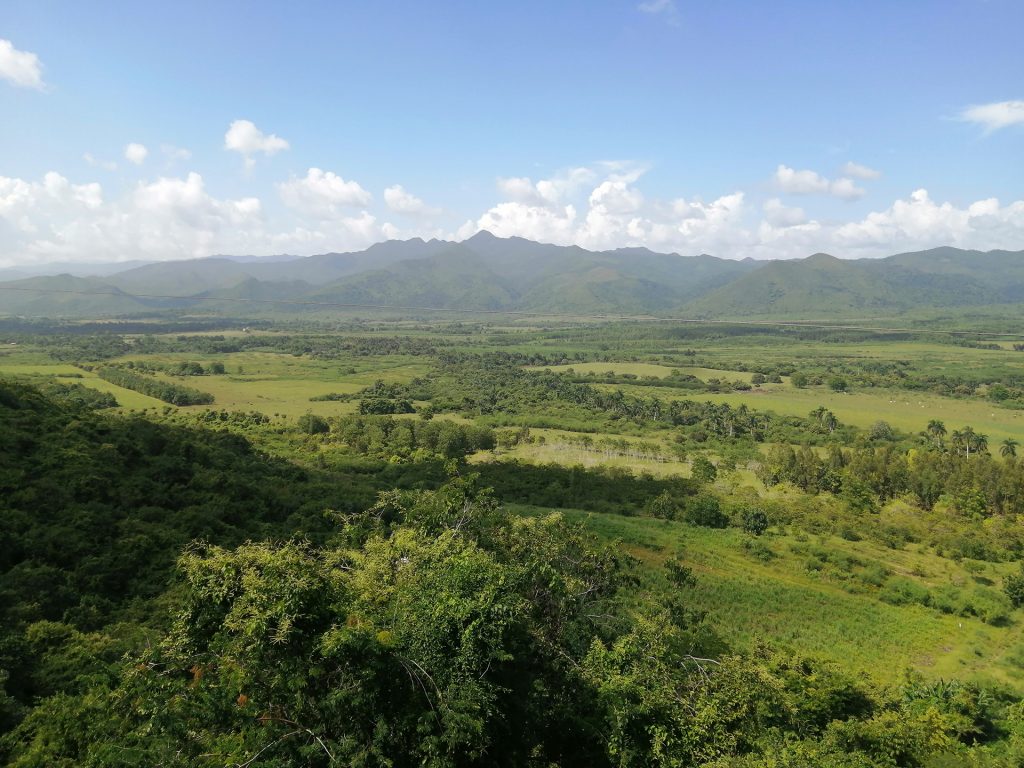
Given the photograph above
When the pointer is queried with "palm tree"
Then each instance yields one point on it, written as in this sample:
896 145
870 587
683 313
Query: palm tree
937 430
1008 448
958 439
981 443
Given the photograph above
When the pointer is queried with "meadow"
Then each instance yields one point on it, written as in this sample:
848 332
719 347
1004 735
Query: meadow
806 594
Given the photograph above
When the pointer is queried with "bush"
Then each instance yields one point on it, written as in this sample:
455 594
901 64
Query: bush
312 424
662 506
702 470
838 384
899 591
1013 587
704 509
755 522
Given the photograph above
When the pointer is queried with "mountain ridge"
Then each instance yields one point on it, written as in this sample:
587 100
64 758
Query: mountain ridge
489 273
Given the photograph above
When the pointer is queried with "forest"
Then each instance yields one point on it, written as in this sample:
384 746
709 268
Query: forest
483 545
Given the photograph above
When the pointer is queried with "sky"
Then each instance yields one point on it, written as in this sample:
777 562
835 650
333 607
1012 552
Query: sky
740 129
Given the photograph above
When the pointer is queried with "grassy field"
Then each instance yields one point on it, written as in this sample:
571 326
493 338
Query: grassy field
829 612
270 383
908 411
559 447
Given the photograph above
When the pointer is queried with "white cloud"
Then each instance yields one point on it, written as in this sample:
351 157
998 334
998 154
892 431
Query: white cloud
615 213
811 183
20 68
136 153
173 153
245 138
107 165
53 218
915 223
401 201
779 215
858 171
553 191
322 193
994 116
800 182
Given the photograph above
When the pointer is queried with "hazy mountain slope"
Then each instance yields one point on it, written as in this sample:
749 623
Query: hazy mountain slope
54 298
182 278
487 272
455 278
329 267
599 290
823 286
1002 272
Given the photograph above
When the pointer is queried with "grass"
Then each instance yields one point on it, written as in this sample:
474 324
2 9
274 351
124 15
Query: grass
557 450
266 382
907 411
826 614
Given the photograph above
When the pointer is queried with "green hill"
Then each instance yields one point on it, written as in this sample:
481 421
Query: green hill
491 273
824 286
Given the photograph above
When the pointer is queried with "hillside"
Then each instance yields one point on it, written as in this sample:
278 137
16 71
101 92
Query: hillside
490 273
823 286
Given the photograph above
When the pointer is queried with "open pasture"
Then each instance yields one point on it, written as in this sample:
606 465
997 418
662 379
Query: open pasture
813 594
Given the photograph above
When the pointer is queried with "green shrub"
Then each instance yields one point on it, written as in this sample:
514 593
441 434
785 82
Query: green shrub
900 591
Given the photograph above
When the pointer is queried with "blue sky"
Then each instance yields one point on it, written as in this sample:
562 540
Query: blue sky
735 128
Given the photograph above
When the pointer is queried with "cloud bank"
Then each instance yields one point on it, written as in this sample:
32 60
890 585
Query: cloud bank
600 206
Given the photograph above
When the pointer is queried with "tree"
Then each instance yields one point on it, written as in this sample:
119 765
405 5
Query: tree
705 509
702 470
755 522
798 379
936 430
838 384
1008 448
1013 586
312 424
881 430
663 506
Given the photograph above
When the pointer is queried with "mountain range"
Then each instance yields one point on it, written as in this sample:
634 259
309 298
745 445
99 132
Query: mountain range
490 273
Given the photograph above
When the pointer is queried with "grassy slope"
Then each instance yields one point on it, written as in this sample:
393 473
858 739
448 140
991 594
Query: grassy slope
826 614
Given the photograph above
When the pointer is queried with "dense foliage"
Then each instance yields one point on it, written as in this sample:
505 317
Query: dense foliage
161 389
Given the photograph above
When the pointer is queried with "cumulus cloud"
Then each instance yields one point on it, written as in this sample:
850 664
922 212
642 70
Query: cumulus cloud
21 69
994 116
56 219
245 138
915 223
136 153
322 194
614 213
779 215
796 182
401 201
553 191
858 171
